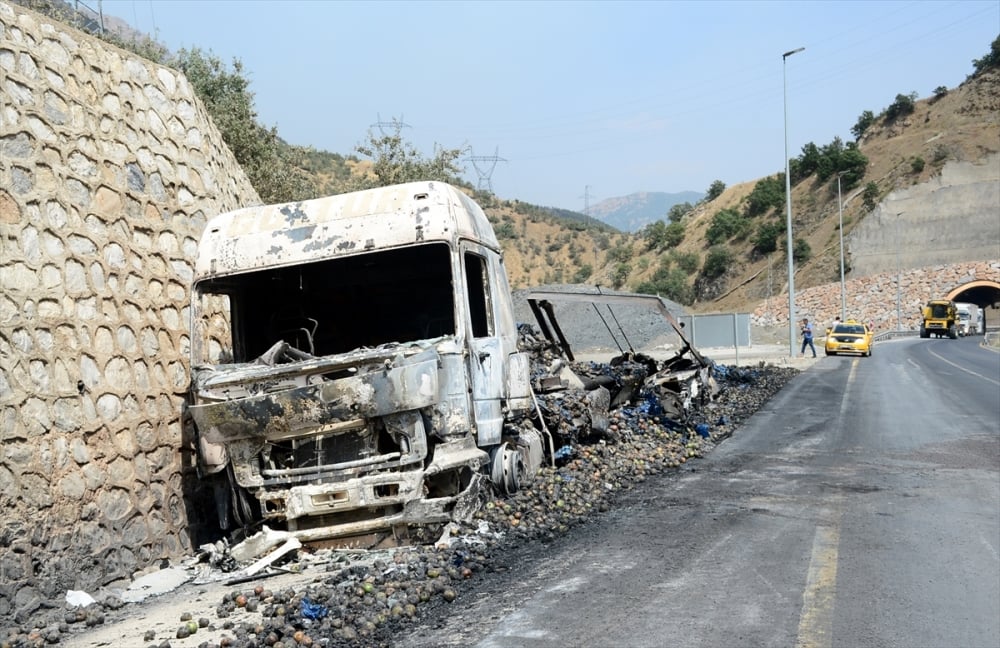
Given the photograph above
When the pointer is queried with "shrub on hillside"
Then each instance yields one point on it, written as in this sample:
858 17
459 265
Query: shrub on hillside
767 194
669 283
679 211
901 107
687 261
620 274
765 240
801 251
870 195
866 119
726 223
715 190
717 261
991 60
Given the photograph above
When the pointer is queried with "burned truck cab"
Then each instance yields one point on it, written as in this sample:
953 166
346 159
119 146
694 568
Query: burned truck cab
354 362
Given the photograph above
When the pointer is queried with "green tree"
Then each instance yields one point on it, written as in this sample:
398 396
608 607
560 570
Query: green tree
940 91
659 235
806 164
654 234
852 166
395 160
901 107
765 240
620 275
726 223
674 235
669 283
620 253
687 261
866 119
829 159
679 211
715 190
768 193
717 261
992 59
917 164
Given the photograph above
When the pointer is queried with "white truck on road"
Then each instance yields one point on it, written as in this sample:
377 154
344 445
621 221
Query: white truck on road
968 319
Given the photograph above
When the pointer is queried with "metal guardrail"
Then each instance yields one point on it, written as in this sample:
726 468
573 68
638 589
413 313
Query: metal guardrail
991 337
891 335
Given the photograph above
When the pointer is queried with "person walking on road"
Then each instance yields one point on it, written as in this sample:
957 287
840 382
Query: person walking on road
807 337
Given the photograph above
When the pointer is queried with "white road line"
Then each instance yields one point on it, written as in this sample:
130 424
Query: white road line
978 375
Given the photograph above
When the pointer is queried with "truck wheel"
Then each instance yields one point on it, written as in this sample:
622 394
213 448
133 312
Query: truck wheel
924 333
953 333
507 469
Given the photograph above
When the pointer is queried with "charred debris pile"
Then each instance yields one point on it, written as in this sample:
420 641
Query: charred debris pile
609 427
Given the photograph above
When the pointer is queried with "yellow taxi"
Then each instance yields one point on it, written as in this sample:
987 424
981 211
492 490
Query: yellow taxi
850 336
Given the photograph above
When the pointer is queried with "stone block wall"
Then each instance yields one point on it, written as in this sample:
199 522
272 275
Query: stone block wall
109 168
873 298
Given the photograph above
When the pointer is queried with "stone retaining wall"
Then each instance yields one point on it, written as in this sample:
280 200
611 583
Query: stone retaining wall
873 298
110 167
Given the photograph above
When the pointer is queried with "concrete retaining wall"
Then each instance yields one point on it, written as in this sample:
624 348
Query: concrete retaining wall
109 167
955 215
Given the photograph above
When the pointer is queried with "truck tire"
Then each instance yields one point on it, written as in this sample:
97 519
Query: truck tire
953 333
924 333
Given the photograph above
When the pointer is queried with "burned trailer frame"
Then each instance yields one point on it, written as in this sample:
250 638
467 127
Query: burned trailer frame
354 363
680 382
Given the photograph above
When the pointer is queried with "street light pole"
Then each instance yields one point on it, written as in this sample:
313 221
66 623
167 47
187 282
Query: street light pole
899 312
788 217
843 288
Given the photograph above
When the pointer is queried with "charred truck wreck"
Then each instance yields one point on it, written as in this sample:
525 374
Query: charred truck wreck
356 367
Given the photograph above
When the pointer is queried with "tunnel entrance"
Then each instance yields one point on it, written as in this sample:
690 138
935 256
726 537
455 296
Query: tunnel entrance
983 293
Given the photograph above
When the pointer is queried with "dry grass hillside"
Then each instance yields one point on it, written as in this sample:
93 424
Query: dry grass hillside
541 249
962 125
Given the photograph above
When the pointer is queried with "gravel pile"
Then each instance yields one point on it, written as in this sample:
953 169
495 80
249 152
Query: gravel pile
363 600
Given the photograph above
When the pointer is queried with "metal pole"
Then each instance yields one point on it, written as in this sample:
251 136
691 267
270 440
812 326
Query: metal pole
788 217
899 312
843 287
736 341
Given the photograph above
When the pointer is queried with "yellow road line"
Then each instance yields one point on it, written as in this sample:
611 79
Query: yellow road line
819 597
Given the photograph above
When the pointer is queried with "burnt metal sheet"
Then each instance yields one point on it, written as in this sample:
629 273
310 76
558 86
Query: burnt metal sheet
407 384
538 298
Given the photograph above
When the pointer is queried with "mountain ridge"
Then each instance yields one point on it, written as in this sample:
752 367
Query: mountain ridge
632 212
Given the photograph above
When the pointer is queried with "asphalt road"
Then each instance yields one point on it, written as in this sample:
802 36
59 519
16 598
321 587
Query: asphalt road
860 507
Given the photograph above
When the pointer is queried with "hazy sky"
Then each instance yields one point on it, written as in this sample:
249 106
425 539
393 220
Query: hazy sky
619 96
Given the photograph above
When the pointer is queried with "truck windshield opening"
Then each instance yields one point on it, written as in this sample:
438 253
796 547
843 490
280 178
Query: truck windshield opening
327 307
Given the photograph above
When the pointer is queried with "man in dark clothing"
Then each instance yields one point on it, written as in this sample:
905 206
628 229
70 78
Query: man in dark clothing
807 336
